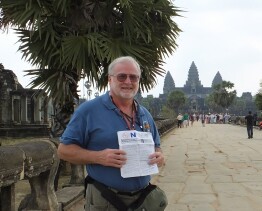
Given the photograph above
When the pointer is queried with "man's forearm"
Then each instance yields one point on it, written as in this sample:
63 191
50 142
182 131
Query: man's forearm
75 154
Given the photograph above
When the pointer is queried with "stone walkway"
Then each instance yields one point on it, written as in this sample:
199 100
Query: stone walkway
211 168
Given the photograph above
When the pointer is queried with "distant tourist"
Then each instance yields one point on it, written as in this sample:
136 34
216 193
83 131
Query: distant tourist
255 119
186 120
249 122
203 119
179 120
226 118
191 119
197 117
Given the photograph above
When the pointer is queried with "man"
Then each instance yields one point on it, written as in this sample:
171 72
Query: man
186 120
179 120
249 121
91 136
203 119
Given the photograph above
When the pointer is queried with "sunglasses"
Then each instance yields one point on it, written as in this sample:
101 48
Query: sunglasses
121 77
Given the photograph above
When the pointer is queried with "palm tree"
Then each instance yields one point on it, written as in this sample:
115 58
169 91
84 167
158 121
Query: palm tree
67 40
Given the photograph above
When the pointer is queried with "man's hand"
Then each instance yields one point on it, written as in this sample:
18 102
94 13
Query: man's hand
111 157
157 158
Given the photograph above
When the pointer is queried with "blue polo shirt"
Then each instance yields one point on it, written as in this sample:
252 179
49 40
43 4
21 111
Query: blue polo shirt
94 126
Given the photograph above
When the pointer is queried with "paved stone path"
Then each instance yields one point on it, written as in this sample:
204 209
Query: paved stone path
211 168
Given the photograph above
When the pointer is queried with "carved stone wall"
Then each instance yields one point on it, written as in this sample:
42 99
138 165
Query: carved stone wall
20 108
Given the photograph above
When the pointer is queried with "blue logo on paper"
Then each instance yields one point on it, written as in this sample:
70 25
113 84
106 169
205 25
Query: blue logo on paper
133 135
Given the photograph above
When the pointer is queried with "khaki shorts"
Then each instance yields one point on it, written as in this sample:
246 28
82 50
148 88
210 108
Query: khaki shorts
95 202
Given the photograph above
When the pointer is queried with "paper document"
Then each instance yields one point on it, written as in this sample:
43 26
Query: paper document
138 146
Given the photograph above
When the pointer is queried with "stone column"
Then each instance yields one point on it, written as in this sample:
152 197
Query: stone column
24 119
16 109
37 112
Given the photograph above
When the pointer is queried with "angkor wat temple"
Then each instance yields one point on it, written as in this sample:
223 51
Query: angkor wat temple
195 92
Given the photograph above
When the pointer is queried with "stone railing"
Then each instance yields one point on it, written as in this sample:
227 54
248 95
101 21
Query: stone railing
38 163
164 126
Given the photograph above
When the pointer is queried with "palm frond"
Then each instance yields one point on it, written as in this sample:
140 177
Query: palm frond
65 38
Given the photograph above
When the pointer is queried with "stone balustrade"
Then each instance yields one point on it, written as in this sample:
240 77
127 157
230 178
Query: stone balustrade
36 162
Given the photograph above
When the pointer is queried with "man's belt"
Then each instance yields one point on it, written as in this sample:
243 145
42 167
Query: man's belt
111 196
132 193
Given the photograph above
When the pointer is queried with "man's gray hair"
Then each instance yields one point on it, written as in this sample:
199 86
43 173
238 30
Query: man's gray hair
123 59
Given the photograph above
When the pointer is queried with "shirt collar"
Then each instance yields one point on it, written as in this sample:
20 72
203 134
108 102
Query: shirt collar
106 99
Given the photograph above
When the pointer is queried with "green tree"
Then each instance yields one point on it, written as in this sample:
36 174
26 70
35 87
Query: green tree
210 102
258 98
68 39
222 94
152 104
238 107
167 113
176 100
148 101
258 101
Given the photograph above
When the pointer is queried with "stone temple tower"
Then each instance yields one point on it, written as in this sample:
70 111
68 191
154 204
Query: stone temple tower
193 77
217 79
193 84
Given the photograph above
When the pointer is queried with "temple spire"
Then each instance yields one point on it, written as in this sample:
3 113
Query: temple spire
169 84
193 77
217 79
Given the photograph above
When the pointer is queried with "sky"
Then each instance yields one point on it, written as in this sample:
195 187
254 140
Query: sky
218 35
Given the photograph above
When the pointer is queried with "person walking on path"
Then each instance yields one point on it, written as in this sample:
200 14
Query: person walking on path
91 138
186 120
191 119
249 122
203 119
179 120
255 119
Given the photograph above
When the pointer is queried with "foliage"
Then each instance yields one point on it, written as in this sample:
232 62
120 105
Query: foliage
210 102
167 113
222 95
239 106
258 98
152 104
258 101
147 102
67 40
176 100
